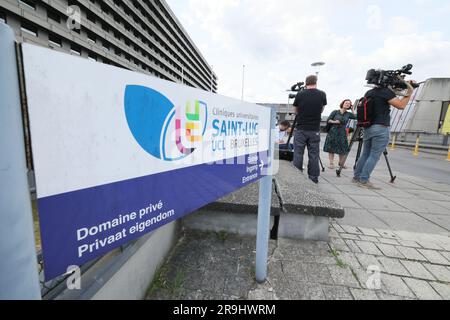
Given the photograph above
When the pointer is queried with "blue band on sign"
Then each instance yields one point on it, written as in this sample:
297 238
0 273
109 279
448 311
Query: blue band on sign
133 208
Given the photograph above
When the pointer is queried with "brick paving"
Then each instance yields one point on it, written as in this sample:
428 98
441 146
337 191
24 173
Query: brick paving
393 244
212 266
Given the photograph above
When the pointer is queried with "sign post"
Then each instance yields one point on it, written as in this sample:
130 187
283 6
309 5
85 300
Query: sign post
18 264
264 208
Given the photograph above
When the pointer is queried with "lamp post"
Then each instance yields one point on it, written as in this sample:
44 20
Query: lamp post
243 79
318 65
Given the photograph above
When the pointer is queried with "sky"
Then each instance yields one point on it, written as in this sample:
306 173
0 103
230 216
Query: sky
278 40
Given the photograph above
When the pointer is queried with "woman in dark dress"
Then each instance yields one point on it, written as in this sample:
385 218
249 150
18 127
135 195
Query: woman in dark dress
337 141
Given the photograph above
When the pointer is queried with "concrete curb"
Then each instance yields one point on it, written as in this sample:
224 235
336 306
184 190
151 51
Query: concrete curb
432 149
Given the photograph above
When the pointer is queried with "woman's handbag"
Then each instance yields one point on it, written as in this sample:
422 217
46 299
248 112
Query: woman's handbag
331 117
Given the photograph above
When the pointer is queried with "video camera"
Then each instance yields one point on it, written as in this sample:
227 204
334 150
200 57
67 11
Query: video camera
393 79
297 87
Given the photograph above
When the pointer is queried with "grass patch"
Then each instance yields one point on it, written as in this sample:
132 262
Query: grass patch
252 271
356 276
162 283
177 283
334 252
159 281
222 235
339 262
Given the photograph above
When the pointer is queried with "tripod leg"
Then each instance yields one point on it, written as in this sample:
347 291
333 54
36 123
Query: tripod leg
339 171
389 166
356 137
358 154
321 164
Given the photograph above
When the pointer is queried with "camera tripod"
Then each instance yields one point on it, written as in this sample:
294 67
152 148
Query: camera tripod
290 138
358 136
289 153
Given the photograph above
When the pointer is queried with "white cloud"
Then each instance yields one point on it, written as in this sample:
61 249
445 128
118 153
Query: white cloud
403 25
278 41
374 18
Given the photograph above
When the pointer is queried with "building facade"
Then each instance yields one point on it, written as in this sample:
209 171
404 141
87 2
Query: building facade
284 111
427 111
142 36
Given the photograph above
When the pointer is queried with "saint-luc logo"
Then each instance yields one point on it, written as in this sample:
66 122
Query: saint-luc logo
165 131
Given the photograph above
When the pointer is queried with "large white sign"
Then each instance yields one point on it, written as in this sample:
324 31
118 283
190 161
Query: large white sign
118 154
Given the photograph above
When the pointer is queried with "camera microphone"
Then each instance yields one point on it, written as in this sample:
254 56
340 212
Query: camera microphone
407 69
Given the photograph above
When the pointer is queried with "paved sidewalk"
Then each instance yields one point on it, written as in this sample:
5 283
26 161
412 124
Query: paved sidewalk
393 243
411 265
357 264
410 204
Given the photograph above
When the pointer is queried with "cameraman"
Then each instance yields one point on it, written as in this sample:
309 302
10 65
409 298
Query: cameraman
309 104
376 137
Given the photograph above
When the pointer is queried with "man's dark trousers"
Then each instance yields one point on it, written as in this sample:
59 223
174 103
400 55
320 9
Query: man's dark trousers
311 140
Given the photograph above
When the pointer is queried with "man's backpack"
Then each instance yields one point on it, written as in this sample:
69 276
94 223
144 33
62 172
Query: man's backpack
365 112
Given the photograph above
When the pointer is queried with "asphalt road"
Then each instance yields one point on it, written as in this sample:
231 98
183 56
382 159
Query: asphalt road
431 167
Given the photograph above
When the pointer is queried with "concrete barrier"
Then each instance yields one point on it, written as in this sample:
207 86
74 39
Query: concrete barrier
236 213
306 209
299 209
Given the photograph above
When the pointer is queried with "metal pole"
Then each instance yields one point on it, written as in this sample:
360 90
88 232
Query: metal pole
19 277
416 148
448 154
264 208
394 140
243 79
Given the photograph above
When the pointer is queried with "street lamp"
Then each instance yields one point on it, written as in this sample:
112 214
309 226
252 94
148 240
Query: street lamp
243 83
317 65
